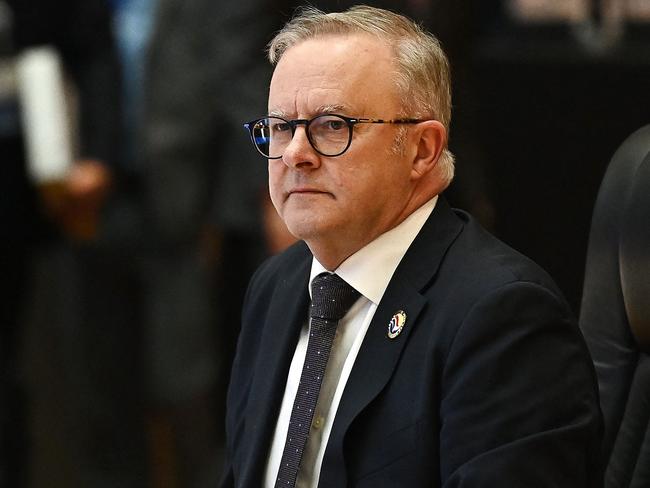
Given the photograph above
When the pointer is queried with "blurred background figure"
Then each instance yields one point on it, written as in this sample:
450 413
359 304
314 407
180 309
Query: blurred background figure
55 211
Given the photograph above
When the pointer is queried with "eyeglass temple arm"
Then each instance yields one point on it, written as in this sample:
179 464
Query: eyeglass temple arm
382 121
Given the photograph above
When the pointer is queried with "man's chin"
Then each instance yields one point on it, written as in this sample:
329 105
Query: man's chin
307 228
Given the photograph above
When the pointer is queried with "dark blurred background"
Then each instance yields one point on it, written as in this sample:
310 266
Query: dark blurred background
124 277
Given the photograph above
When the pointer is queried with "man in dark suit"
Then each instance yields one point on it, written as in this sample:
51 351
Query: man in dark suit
459 363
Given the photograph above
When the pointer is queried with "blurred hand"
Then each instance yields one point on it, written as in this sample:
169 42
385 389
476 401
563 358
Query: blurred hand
88 183
75 204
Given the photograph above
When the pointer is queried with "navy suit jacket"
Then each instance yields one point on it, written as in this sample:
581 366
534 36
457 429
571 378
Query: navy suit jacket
489 383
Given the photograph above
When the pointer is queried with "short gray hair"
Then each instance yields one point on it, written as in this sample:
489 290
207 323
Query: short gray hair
423 76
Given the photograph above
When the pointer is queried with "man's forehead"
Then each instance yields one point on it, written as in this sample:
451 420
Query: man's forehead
313 78
357 48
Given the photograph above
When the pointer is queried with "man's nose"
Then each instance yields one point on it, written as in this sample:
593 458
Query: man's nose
299 153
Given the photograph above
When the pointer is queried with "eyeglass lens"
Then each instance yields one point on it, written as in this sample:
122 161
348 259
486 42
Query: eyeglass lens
329 134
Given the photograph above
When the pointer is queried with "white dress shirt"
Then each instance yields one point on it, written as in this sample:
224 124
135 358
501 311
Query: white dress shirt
369 271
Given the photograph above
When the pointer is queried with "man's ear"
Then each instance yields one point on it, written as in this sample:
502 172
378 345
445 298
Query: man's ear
430 140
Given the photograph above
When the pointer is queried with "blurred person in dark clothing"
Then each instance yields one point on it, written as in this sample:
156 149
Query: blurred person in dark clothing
79 31
77 292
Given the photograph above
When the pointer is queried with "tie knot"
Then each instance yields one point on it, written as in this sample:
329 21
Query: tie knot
331 297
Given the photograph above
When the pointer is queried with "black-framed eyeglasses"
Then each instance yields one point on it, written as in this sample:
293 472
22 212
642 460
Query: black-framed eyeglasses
329 134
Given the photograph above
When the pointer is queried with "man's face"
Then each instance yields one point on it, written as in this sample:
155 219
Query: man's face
339 204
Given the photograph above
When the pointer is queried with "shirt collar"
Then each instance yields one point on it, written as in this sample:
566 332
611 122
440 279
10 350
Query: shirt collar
370 269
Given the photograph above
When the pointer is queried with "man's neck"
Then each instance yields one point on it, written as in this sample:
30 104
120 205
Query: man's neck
333 250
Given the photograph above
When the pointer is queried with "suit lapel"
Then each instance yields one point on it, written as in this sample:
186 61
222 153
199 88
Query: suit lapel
379 355
287 313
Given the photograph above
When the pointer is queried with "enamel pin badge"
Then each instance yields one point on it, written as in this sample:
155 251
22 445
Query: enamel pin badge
396 324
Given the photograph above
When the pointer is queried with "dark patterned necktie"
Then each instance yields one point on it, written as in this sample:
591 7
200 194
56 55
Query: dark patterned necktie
331 299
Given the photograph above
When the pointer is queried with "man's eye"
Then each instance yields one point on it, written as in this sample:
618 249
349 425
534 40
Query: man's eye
281 127
334 125
329 124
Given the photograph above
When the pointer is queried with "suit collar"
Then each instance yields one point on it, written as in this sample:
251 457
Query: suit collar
425 255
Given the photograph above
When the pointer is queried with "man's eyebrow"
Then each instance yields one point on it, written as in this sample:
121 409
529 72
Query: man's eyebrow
323 109
329 109
277 113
